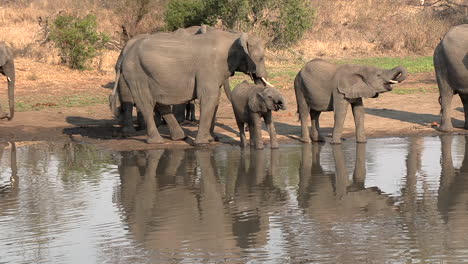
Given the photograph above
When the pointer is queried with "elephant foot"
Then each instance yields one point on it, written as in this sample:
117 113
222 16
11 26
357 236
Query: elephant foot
274 145
214 138
446 128
155 140
361 141
128 131
305 140
178 136
318 139
259 147
335 141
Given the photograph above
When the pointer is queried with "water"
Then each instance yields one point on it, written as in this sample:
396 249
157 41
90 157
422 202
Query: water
393 200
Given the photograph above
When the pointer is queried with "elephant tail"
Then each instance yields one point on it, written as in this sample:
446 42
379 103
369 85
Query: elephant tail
114 98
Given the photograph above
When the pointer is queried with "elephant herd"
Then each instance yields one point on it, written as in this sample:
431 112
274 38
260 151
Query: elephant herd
161 72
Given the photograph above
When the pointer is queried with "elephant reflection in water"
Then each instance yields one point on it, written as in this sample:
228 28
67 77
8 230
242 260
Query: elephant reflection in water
173 200
334 193
453 190
249 192
12 185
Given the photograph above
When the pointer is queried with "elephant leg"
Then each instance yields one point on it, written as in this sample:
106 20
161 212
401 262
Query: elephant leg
240 125
464 99
251 131
153 134
315 126
271 130
146 104
215 138
208 104
257 130
341 107
158 117
191 112
358 113
303 110
141 125
126 107
446 94
179 112
174 127
127 119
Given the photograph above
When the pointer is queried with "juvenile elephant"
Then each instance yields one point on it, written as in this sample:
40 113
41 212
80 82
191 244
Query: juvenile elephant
167 69
451 68
251 103
7 68
323 86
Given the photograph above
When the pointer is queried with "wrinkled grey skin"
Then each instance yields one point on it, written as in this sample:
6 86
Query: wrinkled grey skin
451 68
169 69
322 86
7 68
184 111
251 103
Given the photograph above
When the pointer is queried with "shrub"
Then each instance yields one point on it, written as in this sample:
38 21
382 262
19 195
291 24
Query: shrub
185 13
281 22
77 39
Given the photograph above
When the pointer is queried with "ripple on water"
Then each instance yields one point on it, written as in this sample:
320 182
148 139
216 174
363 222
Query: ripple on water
390 200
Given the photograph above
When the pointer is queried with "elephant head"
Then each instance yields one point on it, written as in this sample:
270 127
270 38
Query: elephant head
247 55
267 99
355 81
7 68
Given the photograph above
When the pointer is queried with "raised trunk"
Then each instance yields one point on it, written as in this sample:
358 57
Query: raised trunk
398 74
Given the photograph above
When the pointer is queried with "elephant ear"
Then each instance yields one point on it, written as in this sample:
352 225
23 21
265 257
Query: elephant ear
257 103
354 86
243 41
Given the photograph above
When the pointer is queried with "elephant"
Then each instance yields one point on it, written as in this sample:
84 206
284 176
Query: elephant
167 69
451 68
251 103
323 86
182 112
7 68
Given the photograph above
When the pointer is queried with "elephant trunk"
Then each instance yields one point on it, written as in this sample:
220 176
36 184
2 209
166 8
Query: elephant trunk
398 74
9 70
11 97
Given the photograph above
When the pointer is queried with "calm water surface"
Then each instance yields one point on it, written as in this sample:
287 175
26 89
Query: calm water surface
393 200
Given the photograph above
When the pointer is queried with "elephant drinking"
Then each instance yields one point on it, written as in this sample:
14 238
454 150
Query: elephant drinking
323 86
169 69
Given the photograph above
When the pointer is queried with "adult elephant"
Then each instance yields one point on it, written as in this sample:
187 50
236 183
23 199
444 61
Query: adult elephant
167 69
121 101
451 68
7 68
323 86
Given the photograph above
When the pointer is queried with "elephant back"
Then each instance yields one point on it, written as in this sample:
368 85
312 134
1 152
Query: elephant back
314 80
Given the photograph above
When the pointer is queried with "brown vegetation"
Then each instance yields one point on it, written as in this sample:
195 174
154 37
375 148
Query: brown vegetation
342 28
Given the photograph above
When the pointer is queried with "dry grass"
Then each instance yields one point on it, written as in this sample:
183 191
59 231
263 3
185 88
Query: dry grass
342 28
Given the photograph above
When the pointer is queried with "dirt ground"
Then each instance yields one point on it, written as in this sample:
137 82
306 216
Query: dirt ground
410 111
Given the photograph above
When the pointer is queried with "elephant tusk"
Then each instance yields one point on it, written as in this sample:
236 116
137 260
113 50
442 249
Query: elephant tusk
266 83
393 82
8 78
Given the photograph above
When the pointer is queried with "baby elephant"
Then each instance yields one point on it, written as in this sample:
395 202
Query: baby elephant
251 102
